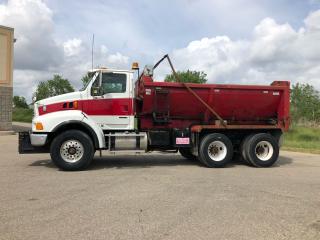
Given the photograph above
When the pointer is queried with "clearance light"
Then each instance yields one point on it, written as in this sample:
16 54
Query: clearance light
39 126
75 104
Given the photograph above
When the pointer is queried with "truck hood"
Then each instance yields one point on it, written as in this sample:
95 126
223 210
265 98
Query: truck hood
61 98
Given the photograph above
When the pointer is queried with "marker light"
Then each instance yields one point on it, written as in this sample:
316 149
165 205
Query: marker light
39 126
135 66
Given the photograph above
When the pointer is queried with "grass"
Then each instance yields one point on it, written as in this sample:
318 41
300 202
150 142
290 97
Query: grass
302 139
22 115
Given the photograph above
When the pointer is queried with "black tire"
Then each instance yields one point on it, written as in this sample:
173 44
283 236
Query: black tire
74 140
262 150
215 144
243 147
186 153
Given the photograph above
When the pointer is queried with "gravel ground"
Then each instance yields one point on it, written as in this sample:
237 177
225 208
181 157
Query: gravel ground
157 196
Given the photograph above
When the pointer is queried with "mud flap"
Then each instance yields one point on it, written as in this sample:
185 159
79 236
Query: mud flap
25 146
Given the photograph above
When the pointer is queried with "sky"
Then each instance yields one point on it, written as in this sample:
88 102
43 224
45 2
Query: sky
233 41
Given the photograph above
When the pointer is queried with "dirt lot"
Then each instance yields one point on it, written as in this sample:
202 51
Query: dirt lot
157 197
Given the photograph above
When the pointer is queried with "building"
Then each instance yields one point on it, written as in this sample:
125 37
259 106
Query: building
6 74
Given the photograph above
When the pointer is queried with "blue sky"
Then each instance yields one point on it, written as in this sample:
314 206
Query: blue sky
233 41
134 26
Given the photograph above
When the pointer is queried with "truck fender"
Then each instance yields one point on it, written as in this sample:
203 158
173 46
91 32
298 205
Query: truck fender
57 120
97 129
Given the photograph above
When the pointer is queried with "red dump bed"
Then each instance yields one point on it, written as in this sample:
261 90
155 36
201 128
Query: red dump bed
171 105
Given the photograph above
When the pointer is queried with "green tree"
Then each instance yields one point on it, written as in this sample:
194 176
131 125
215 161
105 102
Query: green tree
53 87
188 77
305 103
85 79
19 102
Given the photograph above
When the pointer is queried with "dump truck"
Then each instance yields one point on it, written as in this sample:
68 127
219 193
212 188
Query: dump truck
118 114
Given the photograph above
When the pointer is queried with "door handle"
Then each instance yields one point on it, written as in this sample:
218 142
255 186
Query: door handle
123 117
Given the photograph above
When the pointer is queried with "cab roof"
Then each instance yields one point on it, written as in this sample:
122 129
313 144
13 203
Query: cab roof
104 69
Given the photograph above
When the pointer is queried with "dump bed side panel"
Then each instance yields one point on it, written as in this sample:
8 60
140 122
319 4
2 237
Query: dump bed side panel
171 105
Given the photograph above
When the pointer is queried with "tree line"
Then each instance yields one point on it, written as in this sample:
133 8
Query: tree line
50 88
305 104
304 98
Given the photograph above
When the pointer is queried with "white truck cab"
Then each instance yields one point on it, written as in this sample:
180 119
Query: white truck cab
107 100
105 104
112 108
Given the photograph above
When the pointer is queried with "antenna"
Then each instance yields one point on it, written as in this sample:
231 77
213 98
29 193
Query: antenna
92 46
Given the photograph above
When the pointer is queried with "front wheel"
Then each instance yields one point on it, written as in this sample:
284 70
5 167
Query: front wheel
72 150
215 150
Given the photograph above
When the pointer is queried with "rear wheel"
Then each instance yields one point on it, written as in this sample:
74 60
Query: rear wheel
72 150
186 153
262 150
243 146
215 150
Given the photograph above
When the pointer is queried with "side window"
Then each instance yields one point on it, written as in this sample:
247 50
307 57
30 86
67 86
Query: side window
95 86
114 83
96 82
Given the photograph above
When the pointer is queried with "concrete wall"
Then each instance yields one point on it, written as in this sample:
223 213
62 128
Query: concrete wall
6 74
5 108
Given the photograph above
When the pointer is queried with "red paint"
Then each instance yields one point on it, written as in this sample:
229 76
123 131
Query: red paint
55 107
118 107
239 105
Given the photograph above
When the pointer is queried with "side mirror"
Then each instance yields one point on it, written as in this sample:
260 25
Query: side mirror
96 91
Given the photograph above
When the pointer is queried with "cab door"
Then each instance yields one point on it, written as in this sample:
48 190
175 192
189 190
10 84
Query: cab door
113 110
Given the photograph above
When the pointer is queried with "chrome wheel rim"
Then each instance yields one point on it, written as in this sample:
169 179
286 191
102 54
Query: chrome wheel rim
264 150
71 151
217 151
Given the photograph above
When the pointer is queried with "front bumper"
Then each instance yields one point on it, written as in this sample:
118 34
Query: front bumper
38 140
33 143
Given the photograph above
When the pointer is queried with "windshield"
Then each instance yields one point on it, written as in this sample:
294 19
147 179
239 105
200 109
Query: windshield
87 79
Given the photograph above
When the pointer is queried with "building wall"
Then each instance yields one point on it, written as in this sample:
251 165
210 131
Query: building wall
6 74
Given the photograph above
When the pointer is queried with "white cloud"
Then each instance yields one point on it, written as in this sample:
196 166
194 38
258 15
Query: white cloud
39 55
35 47
25 81
219 57
77 60
118 58
72 47
274 52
